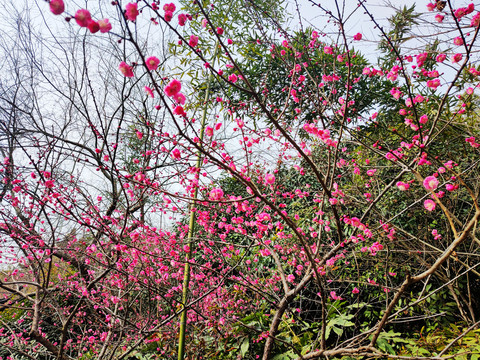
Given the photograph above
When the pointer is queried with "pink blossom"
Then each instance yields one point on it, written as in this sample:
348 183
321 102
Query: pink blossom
269 178
139 135
418 99
209 131
131 11
104 25
173 88
421 58
82 17
450 187
430 183
290 278
334 296
229 41
402 186
149 91
441 58
179 111
216 194
169 7
433 84
49 184
193 41
357 36
179 98
93 26
219 31
430 6
355 290
459 13
475 20
457 57
125 69
152 63
439 18
57 6
429 205
458 41
182 19
328 50
168 16
232 78
176 154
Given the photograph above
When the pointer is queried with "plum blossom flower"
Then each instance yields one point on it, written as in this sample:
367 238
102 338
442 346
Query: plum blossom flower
182 19
433 84
178 110
219 31
216 194
131 11
168 16
439 18
334 296
149 91
176 154
430 183
402 186
173 88
475 20
233 78
441 58
179 98
357 37
328 50
57 6
104 25
169 7
269 178
458 41
457 57
355 290
82 17
93 26
125 69
429 205
421 58
193 41
152 63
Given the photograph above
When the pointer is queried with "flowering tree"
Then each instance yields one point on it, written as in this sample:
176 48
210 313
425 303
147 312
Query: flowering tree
254 192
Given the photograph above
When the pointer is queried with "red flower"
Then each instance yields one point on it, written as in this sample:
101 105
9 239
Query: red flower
131 11
57 6
83 17
125 69
152 63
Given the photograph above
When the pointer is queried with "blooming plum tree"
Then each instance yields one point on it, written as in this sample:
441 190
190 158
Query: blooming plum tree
271 193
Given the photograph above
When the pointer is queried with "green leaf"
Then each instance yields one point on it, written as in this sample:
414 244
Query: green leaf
244 347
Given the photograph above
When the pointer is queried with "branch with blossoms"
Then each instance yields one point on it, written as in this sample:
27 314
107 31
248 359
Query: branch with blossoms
275 188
